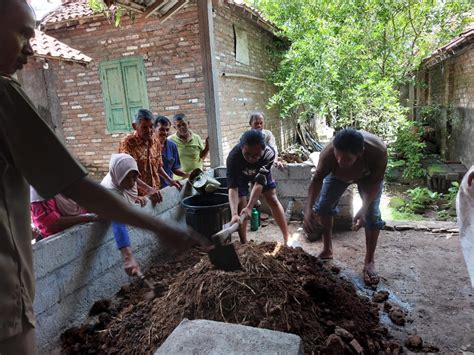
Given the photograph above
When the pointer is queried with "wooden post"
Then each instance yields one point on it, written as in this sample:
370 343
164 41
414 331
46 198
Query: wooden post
211 91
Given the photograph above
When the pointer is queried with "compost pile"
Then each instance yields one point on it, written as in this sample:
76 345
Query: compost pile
279 288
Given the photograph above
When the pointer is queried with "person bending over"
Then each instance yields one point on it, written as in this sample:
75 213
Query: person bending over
351 157
250 162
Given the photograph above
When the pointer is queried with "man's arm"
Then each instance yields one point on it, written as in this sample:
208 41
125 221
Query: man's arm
205 151
323 169
179 172
169 180
254 196
234 202
99 200
371 187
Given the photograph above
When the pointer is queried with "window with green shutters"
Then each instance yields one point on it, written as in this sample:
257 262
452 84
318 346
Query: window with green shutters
124 91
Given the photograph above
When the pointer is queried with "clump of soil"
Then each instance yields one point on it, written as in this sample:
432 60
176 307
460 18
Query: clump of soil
278 288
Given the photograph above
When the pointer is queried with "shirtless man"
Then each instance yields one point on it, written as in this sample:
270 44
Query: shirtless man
351 157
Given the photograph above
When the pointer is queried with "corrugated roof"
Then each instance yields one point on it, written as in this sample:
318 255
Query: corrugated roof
45 46
464 39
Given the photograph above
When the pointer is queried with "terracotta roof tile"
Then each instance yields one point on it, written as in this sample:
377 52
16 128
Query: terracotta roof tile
70 10
48 47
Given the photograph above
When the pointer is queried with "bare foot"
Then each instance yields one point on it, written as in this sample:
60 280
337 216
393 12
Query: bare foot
325 255
370 275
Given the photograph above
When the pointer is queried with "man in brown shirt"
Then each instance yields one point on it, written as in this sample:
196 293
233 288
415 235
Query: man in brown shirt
30 153
145 147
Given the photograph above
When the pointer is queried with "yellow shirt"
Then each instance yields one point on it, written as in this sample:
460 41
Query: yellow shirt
189 151
30 153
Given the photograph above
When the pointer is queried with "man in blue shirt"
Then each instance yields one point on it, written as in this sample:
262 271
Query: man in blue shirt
169 150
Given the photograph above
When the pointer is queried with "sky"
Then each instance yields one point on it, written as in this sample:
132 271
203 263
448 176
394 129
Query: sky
42 7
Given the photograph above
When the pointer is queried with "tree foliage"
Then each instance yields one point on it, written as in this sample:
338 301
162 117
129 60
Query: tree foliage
347 58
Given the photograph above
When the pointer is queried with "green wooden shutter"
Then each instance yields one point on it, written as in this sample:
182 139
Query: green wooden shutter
116 112
124 91
133 71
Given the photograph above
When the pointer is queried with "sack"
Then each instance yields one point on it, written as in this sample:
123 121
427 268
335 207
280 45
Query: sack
465 213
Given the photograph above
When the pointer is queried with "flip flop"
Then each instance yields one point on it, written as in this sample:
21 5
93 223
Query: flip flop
371 278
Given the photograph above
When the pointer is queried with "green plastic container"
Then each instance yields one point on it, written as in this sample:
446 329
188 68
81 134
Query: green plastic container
254 220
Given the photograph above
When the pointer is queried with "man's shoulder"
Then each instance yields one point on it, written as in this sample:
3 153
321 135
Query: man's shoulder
196 137
235 153
171 144
173 138
128 138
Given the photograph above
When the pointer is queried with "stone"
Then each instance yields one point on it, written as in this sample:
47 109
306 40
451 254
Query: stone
397 316
209 337
414 342
335 345
356 346
380 296
344 334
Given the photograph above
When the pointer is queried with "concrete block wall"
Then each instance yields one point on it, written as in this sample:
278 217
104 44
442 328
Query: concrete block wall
293 184
82 265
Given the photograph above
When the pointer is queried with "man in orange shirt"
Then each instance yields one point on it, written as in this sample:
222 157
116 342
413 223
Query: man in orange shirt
145 148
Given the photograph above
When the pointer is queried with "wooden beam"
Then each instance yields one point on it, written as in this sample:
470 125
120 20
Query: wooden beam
173 10
153 8
211 90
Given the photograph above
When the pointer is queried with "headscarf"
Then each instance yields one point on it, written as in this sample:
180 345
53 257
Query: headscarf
66 206
120 165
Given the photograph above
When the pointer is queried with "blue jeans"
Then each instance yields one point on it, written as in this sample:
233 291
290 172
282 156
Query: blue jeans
332 191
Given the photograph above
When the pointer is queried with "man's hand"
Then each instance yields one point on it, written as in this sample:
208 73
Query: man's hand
176 184
156 198
142 201
470 178
246 212
129 263
207 142
279 164
359 220
311 221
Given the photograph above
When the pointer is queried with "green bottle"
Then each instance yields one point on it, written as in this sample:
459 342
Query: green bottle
254 220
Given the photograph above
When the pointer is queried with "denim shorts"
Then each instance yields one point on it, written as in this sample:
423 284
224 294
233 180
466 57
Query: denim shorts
332 191
243 186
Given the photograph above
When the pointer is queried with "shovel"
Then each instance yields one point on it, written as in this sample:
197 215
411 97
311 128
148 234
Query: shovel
223 256
156 290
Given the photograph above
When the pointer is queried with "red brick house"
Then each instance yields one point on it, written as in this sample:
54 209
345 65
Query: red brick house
444 94
207 59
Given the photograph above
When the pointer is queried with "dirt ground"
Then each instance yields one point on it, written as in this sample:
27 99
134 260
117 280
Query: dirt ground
423 271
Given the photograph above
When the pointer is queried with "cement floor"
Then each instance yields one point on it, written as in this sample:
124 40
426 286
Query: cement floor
424 273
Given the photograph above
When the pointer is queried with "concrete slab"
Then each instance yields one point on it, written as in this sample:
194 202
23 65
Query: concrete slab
213 338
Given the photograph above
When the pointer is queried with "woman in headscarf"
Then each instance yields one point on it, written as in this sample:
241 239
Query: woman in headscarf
122 179
56 214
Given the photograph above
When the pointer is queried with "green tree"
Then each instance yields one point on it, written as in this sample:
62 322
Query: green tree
347 58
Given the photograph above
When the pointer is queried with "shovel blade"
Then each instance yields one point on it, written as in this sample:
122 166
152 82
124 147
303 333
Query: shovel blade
224 257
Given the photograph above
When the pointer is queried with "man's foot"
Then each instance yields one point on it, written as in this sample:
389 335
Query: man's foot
325 255
370 275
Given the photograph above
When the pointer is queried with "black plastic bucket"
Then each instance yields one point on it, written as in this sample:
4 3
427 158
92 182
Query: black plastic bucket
207 214
223 189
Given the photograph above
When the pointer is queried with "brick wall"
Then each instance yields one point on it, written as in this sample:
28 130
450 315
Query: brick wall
171 52
455 121
238 95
